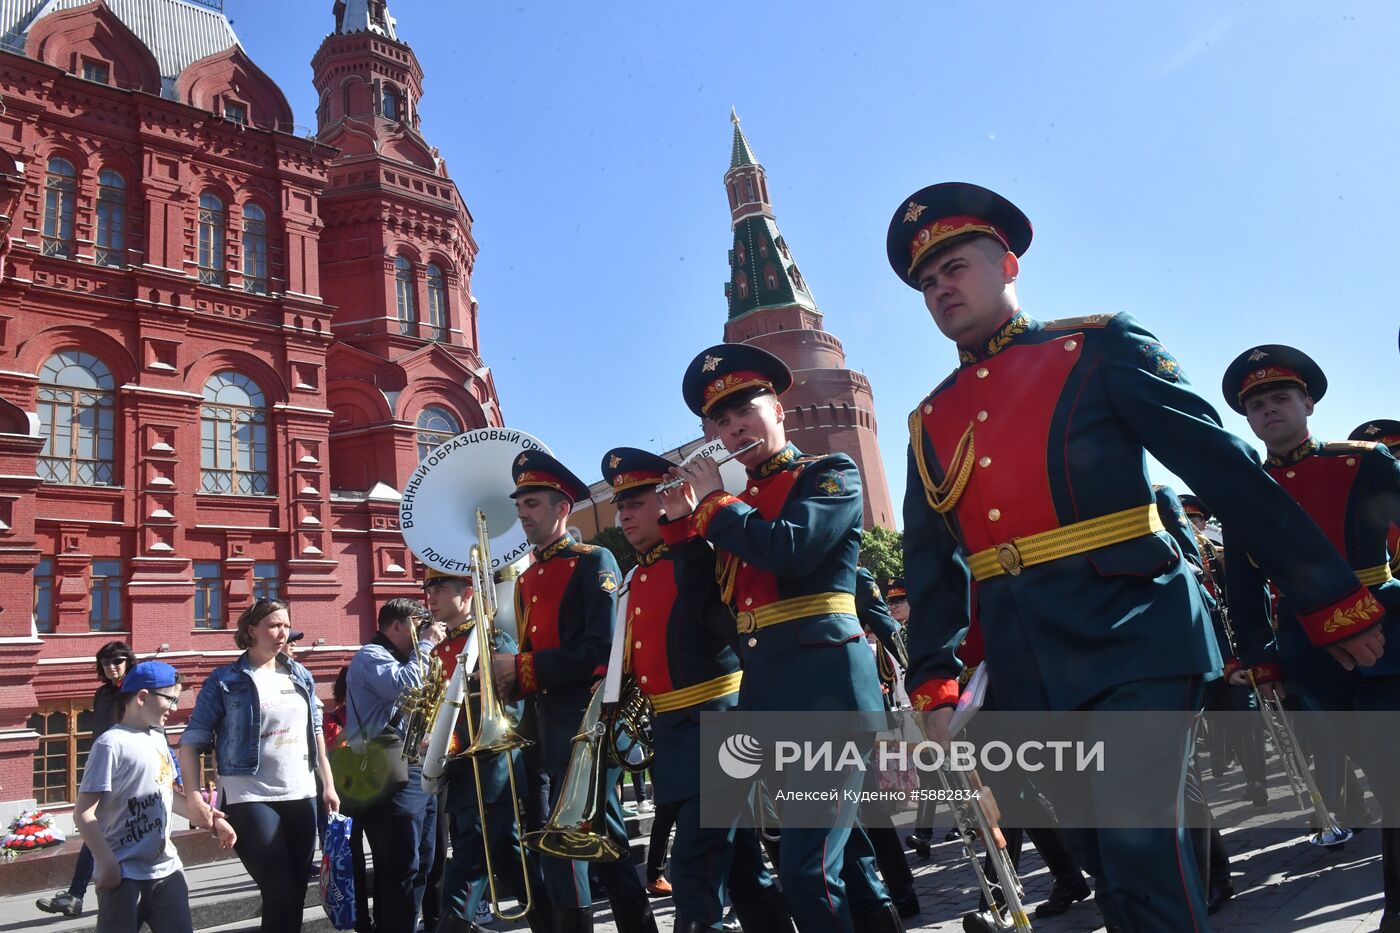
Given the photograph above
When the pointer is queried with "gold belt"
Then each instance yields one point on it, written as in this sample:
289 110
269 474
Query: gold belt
1078 538
696 694
799 607
1374 576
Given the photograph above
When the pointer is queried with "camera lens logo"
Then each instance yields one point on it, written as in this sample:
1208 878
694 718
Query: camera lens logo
740 756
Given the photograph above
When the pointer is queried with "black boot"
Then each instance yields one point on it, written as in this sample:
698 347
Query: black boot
767 913
541 916
573 920
884 919
451 923
634 917
906 903
1064 895
980 921
687 925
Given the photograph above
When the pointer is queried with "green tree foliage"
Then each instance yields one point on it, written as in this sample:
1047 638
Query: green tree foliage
882 553
615 541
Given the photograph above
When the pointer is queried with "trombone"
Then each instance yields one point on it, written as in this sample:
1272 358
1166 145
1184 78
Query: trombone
496 733
1295 764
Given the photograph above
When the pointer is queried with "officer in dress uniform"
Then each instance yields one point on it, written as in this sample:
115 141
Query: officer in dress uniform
1351 489
1026 474
448 598
679 648
564 605
786 562
1387 432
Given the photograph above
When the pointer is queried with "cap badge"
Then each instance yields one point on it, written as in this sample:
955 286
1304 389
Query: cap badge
521 461
1372 430
1257 355
711 363
912 214
614 462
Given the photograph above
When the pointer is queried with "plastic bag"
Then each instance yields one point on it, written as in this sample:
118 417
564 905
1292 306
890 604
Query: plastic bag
338 873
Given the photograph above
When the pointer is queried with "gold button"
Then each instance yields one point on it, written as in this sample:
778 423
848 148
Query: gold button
743 563
637 611
994 515
753 642
1351 461
644 578
1290 474
748 601
637 645
534 599
644 678
928 409
1071 344
753 490
982 373
981 416
572 562
533 628
985 462
540 571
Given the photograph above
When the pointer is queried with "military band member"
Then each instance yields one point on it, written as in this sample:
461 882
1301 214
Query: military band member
1351 489
1027 474
564 605
448 598
679 650
897 599
787 551
1387 432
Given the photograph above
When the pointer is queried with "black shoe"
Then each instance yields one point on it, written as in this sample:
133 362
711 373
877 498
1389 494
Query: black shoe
731 923
953 835
1257 794
1220 892
920 844
881 920
690 925
1390 922
1063 896
980 921
573 920
907 904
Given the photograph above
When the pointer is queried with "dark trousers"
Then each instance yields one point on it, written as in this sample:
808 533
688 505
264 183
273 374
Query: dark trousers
162 904
437 862
1146 879
661 826
401 832
274 844
364 920
82 872
567 880
464 880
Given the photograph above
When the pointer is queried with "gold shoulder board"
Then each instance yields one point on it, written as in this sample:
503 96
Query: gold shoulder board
1343 447
1080 323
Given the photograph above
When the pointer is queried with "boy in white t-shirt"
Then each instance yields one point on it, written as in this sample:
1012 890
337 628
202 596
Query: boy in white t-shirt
124 809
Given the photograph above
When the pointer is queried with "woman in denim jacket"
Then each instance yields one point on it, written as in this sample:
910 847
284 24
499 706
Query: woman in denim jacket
261 717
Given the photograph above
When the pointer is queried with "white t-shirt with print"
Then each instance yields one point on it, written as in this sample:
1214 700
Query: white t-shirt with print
135 772
284 770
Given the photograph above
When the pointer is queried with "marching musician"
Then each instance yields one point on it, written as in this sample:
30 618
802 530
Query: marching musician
678 648
464 884
1027 474
786 559
564 606
1384 431
1351 489
401 829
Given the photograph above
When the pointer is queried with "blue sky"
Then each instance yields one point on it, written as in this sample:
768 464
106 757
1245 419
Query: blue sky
1223 171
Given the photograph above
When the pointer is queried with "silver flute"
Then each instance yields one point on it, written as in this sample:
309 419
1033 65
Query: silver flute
680 481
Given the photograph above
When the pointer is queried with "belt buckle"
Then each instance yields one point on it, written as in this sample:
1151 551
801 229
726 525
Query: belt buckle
746 623
1009 557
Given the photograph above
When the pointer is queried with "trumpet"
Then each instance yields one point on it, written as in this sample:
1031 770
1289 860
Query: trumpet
679 481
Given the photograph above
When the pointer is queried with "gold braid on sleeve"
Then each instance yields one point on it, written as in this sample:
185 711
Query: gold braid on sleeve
943 497
726 573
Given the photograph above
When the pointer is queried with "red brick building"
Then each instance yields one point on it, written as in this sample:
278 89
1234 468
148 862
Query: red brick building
224 340
829 408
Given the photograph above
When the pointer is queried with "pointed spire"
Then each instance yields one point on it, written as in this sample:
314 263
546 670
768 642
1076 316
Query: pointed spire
741 154
364 16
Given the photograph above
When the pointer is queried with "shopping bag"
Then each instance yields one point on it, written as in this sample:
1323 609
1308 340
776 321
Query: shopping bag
338 873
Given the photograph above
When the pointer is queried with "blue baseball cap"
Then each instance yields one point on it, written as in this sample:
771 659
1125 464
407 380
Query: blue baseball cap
149 675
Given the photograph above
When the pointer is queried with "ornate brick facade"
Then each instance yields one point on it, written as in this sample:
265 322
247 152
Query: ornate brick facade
221 342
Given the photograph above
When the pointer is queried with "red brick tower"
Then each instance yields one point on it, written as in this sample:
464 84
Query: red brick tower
396 262
829 407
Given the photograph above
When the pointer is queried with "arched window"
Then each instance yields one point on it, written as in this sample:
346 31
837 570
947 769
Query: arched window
111 219
436 425
391 101
437 302
254 249
405 299
213 224
77 415
233 437
60 196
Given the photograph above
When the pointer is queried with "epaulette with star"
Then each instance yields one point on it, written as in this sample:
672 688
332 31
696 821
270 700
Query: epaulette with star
581 548
1089 321
1349 447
